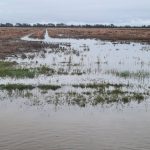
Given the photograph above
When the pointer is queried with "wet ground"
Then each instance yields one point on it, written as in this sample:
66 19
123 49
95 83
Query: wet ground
93 95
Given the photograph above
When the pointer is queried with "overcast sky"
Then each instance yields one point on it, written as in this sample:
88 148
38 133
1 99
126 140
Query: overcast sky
133 12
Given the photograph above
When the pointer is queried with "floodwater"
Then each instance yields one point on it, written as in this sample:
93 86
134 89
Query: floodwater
69 118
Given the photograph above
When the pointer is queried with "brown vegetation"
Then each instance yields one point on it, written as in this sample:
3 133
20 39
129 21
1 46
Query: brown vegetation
102 33
14 33
10 42
39 34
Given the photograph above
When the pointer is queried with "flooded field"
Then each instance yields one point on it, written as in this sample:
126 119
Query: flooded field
76 94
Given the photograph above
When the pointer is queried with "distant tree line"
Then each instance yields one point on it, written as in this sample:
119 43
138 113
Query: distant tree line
62 25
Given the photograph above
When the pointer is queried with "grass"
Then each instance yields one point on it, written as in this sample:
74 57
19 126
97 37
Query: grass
21 87
49 87
45 70
16 87
107 93
86 93
99 99
28 94
124 74
128 74
108 96
116 91
17 73
118 96
104 93
9 69
138 96
99 85
4 64
77 73
92 86
72 94
79 100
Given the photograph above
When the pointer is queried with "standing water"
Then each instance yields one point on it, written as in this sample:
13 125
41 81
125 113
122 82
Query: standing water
93 95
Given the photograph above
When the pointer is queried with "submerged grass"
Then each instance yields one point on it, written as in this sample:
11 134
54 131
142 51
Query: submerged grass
117 98
106 93
97 97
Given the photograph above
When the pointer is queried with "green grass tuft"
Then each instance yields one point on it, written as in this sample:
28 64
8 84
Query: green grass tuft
49 87
9 69
16 87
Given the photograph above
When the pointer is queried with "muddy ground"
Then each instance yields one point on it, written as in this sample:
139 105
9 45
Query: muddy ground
10 42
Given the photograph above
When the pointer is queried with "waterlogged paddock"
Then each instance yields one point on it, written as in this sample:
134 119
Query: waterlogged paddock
77 94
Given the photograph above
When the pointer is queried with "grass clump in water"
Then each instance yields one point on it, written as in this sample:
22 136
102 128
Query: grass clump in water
9 69
79 100
5 64
49 87
17 73
28 94
99 99
128 74
16 87
116 91
99 85
138 97
45 70
92 86
117 95
21 87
